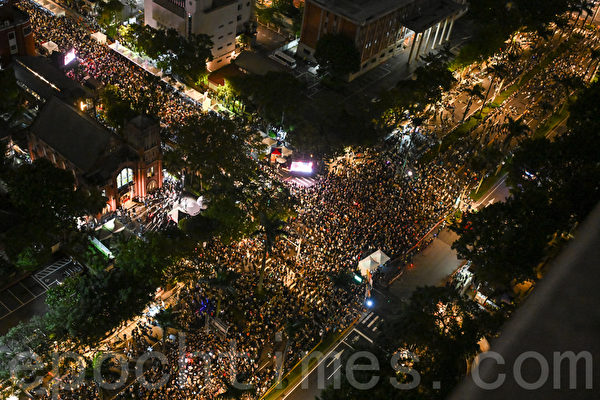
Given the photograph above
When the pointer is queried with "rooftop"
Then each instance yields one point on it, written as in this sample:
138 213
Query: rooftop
361 11
72 134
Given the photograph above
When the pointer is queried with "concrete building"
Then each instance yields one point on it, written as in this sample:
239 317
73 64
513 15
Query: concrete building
222 20
122 166
380 29
16 37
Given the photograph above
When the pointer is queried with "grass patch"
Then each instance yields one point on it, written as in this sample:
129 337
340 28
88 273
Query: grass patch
485 186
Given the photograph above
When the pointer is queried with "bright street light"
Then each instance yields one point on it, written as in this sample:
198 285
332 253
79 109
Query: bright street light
369 303
409 173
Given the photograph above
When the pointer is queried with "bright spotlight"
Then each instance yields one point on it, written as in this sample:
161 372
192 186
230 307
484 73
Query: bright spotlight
369 303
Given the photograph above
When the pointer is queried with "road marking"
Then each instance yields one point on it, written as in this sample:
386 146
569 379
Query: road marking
336 357
369 315
363 335
315 367
343 341
333 373
13 295
373 321
25 287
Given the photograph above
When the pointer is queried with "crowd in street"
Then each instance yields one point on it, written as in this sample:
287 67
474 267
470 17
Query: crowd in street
388 201
144 90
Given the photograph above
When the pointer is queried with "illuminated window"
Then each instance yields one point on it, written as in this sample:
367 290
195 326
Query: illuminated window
124 177
150 172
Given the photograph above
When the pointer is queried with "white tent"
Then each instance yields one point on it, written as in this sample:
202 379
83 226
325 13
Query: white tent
380 257
367 264
285 151
50 46
269 141
99 37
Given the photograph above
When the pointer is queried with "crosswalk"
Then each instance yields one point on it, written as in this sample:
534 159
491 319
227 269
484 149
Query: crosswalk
52 268
370 322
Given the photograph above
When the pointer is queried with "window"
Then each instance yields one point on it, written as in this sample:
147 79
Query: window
239 7
26 30
124 177
239 17
248 4
220 26
11 35
229 44
220 37
150 172
220 48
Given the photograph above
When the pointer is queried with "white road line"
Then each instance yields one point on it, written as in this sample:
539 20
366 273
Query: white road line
374 329
347 344
363 335
7 309
333 373
338 355
366 319
373 321
315 367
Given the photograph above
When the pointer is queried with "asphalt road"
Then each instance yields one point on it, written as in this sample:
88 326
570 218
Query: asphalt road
329 370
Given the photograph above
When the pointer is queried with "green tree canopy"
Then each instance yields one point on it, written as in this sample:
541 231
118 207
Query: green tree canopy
337 54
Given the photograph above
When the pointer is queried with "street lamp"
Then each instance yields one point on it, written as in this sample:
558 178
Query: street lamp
409 173
369 302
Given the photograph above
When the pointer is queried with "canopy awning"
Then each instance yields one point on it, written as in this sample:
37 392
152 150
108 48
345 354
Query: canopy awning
367 264
380 257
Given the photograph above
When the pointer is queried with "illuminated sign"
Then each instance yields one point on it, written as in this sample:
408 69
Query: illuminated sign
302 166
69 57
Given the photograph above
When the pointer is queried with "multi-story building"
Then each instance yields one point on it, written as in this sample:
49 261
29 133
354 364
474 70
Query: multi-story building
16 37
122 166
222 20
380 29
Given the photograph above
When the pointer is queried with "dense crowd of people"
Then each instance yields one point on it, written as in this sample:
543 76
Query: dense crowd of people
386 201
144 90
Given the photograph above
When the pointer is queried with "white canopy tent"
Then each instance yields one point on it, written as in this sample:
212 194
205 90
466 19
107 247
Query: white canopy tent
285 151
269 141
380 257
367 264
99 37
50 46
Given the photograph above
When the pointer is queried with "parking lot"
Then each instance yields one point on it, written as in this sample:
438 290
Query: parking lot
26 297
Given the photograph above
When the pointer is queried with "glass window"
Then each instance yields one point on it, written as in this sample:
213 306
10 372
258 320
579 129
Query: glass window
124 177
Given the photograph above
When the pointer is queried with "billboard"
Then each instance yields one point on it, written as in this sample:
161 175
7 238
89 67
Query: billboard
69 57
305 167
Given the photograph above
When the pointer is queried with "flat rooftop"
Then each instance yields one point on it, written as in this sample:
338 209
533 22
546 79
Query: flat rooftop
361 11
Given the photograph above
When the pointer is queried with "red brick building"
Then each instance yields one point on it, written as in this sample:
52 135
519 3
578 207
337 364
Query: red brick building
380 29
122 166
16 37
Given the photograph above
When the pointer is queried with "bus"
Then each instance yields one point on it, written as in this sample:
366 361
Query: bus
284 59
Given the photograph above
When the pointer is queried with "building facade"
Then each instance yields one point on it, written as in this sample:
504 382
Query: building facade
380 29
16 37
222 20
122 166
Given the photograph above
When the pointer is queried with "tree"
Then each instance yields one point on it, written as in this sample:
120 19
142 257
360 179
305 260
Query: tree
475 91
117 111
110 13
442 329
505 241
48 206
223 284
337 54
271 229
167 319
10 97
498 71
516 129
